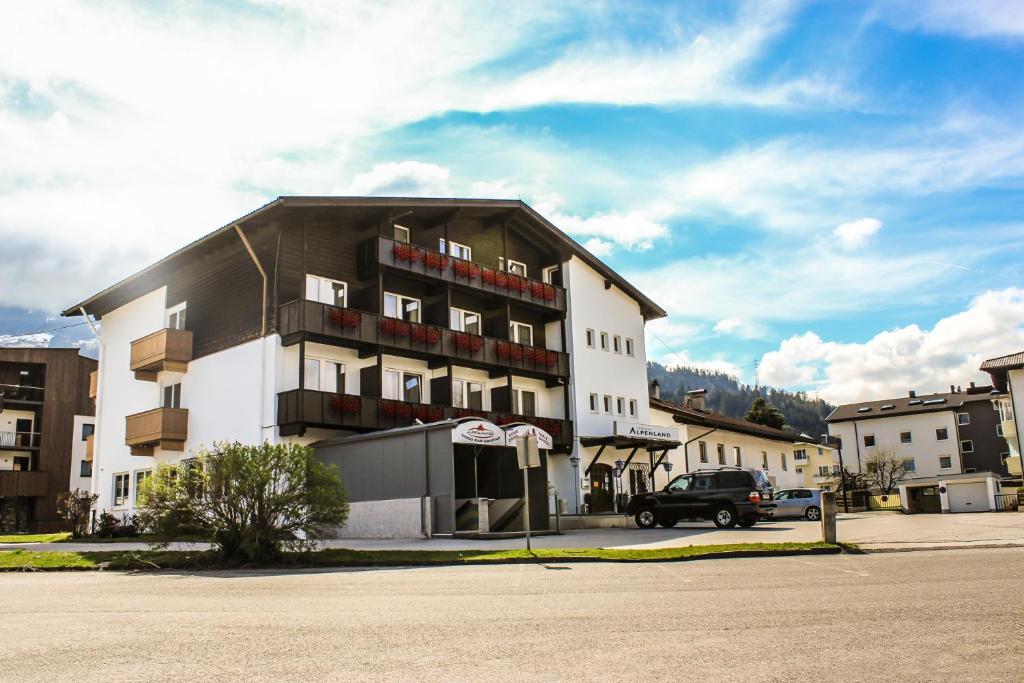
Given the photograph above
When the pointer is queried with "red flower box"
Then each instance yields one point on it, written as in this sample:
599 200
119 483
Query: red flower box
537 290
516 284
433 336
501 280
488 276
549 293
403 410
346 404
387 407
387 325
402 252
436 261
468 342
401 328
465 269
418 334
551 359
345 317
504 349
516 352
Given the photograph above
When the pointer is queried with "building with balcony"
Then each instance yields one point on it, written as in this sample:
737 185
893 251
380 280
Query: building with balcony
816 465
1007 373
312 319
45 420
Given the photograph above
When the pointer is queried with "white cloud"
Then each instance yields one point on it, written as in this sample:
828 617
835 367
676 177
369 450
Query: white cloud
38 340
895 361
970 18
598 247
728 325
855 234
634 230
402 179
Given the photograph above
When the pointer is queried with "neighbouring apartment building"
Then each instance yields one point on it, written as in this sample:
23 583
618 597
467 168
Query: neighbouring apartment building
314 318
46 427
1007 374
817 465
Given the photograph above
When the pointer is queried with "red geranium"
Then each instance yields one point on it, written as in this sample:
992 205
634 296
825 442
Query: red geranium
387 325
549 293
537 290
401 328
433 335
489 276
501 280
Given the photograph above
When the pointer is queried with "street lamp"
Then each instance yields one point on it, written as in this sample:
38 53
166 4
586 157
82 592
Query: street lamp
574 460
620 467
668 467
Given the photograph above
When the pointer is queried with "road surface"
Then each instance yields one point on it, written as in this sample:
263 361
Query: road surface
934 615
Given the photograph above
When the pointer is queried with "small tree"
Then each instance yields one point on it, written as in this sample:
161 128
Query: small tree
884 470
764 413
253 502
74 507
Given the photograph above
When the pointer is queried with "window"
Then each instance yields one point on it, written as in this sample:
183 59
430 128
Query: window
604 341
552 275
1004 456
401 307
945 462
88 430
911 464
799 454
140 477
629 346
966 446
514 267
401 234
702 448
608 404
455 249
999 429
467 394
905 437
737 457
595 406
590 339
941 434
324 375
172 396
823 470
121 489
721 453
620 405
784 466
617 344
524 402
400 385
465 321
176 317
633 408
963 418
869 440
85 469
764 460
821 451
521 333
326 291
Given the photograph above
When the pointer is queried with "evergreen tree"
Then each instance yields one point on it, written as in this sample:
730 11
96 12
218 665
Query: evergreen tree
764 413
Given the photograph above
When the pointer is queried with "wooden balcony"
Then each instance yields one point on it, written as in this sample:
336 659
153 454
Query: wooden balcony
302 408
24 483
165 428
89 447
93 383
433 264
164 350
314 321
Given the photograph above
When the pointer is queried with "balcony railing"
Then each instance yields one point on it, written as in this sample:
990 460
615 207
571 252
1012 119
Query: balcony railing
23 483
328 323
306 407
93 383
19 440
17 392
166 428
432 263
89 447
164 350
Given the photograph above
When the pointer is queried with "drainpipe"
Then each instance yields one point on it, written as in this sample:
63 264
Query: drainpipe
686 447
97 433
263 329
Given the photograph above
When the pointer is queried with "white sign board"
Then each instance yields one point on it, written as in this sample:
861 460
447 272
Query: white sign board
513 432
527 452
478 433
635 430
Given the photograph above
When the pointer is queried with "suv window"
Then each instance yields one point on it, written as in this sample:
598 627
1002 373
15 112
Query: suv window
681 483
782 495
703 483
735 480
802 494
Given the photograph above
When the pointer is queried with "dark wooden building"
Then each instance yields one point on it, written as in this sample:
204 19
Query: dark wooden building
41 392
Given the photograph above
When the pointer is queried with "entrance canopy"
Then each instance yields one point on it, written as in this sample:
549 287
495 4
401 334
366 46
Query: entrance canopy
480 432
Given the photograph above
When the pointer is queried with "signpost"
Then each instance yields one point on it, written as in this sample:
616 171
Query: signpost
529 456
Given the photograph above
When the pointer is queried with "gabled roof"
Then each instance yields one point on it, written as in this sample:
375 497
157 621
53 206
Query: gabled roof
1010 362
908 405
712 420
649 309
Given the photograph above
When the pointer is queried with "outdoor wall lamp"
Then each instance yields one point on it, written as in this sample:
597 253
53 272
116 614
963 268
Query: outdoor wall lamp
574 460
668 466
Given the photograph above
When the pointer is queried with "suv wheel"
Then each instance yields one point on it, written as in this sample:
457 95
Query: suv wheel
813 513
645 518
725 517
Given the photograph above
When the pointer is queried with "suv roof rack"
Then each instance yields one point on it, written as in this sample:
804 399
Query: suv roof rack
717 469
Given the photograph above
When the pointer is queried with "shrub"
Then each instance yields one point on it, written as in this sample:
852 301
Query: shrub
253 502
74 507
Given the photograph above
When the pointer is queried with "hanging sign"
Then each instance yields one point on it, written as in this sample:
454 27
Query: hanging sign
513 432
478 433
635 430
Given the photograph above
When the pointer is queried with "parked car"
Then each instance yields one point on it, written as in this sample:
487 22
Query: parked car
727 497
804 503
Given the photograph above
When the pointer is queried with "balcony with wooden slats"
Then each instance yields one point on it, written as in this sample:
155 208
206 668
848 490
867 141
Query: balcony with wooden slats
94 383
164 428
165 350
89 447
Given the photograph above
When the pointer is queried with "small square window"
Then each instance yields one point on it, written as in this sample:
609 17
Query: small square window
633 407
629 347
966 446
941 434
963 418
905 437
620 405
594 405
945 462
869 440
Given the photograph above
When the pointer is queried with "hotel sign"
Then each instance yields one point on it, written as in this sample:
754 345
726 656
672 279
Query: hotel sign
635 430
544 440
478 433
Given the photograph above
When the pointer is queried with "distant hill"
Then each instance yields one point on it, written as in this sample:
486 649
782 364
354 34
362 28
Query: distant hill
729 397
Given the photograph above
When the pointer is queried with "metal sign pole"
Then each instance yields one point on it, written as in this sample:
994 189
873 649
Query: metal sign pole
526 510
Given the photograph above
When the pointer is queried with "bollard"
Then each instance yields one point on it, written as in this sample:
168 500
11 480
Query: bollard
828 516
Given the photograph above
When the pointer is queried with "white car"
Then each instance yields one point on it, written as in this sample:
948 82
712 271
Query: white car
804 503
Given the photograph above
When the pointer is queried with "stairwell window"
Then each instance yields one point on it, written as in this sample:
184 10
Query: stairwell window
911 464
629 346
721 454
322 374
604 341
120 494
633 412
401 234
595 404
171 396
465 321
702 450
617 344
467 394
737 456
620 406
455 249
764 460
524 402
590 338
784 465
520 333
608 404
326 290
176 316
966 446
999 429
402 307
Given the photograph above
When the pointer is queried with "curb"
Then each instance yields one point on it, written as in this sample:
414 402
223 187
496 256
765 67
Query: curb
918 549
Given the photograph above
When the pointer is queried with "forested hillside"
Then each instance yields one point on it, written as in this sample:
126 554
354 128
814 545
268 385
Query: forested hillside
729 397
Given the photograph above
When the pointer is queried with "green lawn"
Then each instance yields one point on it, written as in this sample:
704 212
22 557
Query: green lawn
34 538
150 560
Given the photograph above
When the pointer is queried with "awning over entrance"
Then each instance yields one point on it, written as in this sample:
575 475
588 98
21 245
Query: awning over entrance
633 444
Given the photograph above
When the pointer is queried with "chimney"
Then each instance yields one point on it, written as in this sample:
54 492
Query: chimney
972 385
695 398
656 389
959 389
952 389
913 394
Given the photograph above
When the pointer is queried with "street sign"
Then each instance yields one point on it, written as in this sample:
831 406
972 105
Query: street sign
527 451
513 432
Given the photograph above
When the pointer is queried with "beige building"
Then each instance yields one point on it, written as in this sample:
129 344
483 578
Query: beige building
817 464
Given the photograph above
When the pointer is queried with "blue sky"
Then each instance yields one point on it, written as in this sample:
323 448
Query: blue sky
831 189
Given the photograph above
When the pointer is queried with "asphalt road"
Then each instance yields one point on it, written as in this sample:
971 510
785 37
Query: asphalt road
935 615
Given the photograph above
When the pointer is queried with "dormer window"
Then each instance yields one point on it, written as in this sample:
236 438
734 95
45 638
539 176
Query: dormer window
176 317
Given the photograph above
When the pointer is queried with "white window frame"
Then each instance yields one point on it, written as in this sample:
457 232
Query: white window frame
620 405
506 265
604 341
595 403
702 451
320 281
402 228
617 344
127 490
465 385
737 456
947 467
515 332
402 384
968 442
147 473
517 401
175 388
321 373
591 338
546 273
400 301
179 312
720 453
634 408
465 251
963 419
630 347
607 404
910 438
463 313
945 438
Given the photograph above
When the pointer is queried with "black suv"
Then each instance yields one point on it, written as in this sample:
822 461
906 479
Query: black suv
728 497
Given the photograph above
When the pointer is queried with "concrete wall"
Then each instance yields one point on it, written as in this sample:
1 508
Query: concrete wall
925 448
395 518
77 481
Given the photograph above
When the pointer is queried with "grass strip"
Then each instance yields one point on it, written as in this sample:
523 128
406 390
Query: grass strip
35 538
22 560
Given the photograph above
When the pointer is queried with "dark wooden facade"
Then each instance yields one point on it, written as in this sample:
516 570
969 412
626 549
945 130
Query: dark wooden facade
53 384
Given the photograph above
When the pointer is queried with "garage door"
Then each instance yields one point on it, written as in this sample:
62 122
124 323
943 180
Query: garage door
968 497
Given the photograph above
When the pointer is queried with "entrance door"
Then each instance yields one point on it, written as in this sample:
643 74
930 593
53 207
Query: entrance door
602 489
